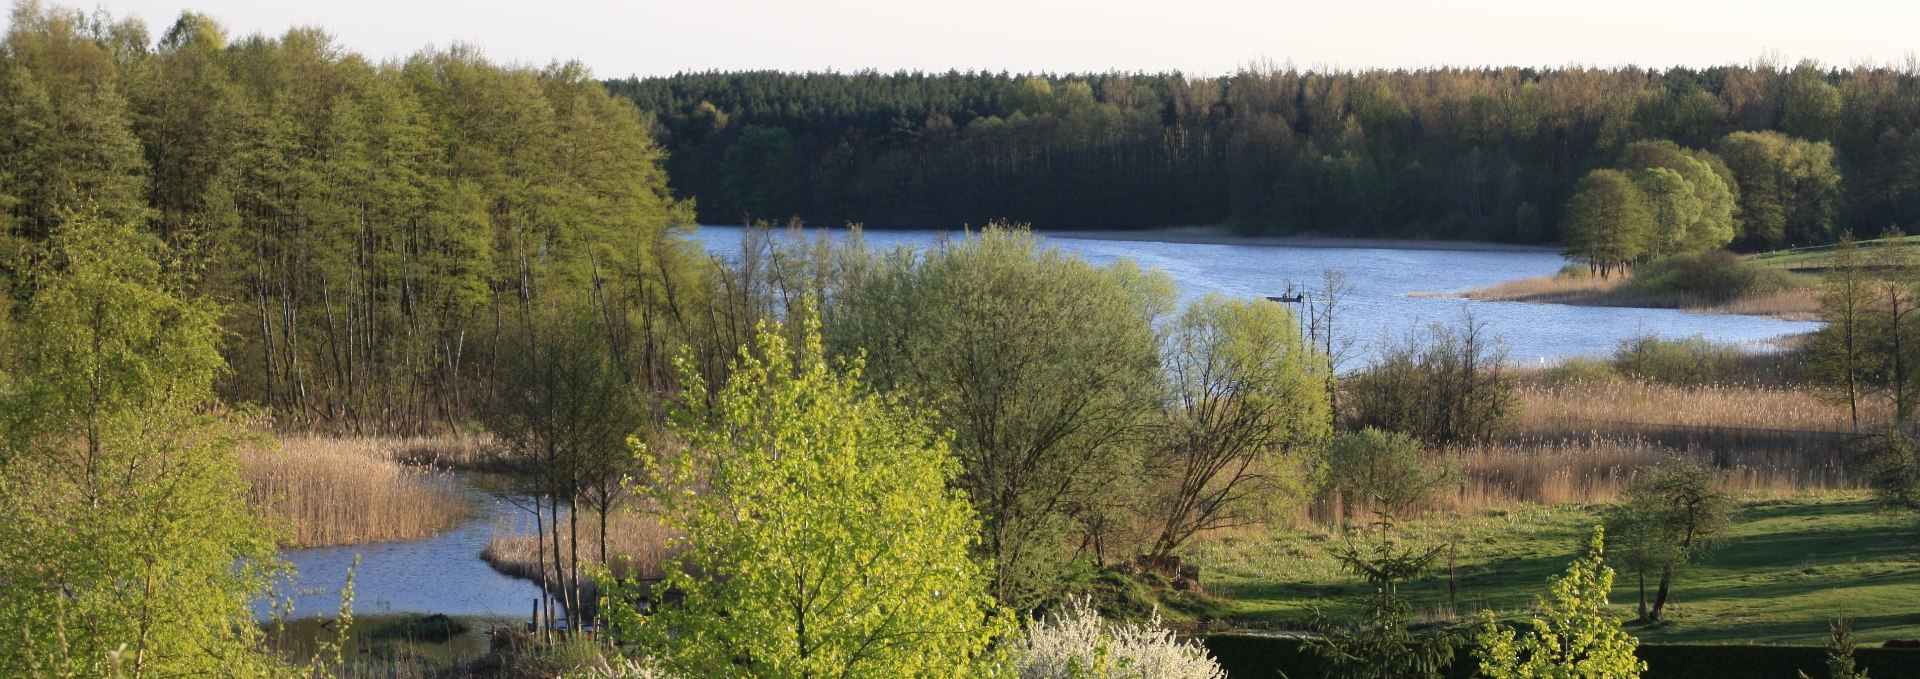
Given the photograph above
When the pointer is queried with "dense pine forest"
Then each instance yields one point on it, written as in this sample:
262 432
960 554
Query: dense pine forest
1478 153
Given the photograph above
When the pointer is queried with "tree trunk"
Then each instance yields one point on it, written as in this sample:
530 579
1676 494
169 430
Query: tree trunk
1642 573
1660 596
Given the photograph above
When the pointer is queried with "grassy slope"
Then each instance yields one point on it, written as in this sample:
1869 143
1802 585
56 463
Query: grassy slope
1815 258
1789 567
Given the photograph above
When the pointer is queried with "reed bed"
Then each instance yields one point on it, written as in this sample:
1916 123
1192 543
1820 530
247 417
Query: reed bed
339 491
1561 410
1794 304
637 547
1599 469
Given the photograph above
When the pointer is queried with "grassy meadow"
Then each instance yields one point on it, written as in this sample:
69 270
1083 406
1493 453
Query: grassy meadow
1819 257
1788 567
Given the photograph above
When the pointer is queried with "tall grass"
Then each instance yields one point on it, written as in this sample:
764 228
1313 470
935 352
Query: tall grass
337 491
1797 303
636 549
1787 416
1583 436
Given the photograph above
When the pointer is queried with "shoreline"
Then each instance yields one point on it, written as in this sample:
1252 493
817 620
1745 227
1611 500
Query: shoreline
1214 235
1786 305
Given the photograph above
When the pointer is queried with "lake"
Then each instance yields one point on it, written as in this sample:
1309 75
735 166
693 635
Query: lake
444 574
1381 306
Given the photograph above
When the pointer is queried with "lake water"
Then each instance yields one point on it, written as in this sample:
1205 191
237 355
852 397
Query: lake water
1381 306
444 574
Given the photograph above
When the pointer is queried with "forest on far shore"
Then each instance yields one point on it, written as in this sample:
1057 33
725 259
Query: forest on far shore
1490 154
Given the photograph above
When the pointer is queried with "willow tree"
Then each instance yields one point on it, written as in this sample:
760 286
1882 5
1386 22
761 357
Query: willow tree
1247 406
129 548
821 535
1043 366
1609 223
1675 209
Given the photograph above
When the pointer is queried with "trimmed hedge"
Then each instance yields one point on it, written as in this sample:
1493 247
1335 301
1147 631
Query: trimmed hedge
1257 657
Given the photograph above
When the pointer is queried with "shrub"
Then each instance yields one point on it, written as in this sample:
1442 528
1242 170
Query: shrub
1575 271
1572 636
1690 361
1385 469
1582 370
1077 643
1447 386
1715 277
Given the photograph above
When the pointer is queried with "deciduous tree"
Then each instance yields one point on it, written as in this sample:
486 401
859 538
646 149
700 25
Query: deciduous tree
822 536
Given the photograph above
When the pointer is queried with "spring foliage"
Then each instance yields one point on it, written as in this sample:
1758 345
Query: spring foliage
1570 637
821 535
128 547
1046 368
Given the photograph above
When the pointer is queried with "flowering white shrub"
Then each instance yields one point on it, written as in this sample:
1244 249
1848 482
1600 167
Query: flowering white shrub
1078 644
625 669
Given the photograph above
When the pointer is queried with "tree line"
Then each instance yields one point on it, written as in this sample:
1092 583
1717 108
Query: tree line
1485 154
369 232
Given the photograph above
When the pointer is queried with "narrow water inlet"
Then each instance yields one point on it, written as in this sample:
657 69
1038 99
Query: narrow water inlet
440 574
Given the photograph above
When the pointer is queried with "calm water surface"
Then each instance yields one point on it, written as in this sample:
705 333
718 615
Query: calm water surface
441 574
1381 305
444 574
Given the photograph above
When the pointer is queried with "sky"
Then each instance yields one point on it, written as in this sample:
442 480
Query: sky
1198 37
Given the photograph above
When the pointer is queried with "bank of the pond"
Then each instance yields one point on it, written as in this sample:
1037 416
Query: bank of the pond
1221 235
440 574
1792 304
1378 307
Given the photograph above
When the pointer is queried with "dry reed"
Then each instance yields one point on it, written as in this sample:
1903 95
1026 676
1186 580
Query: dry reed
1584 409
1794 304
637 547
336 491
1587 441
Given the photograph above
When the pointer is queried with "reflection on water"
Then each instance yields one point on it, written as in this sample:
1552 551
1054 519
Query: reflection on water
1380 306
442 574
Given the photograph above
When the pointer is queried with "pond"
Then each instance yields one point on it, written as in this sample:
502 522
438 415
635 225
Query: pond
442 574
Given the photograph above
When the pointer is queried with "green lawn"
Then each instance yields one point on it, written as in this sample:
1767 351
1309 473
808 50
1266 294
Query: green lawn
1789 567
1815 258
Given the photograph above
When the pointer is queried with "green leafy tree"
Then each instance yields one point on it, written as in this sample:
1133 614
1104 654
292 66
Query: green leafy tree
821 535
1840 354
1045 368
1609 222
1675 208
1248 404
560 411
1715 225
1893 303
1670 516
1571 637
1385 469
1789 187
1811 105
129 548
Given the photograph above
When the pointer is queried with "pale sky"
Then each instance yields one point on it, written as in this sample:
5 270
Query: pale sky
1199 37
